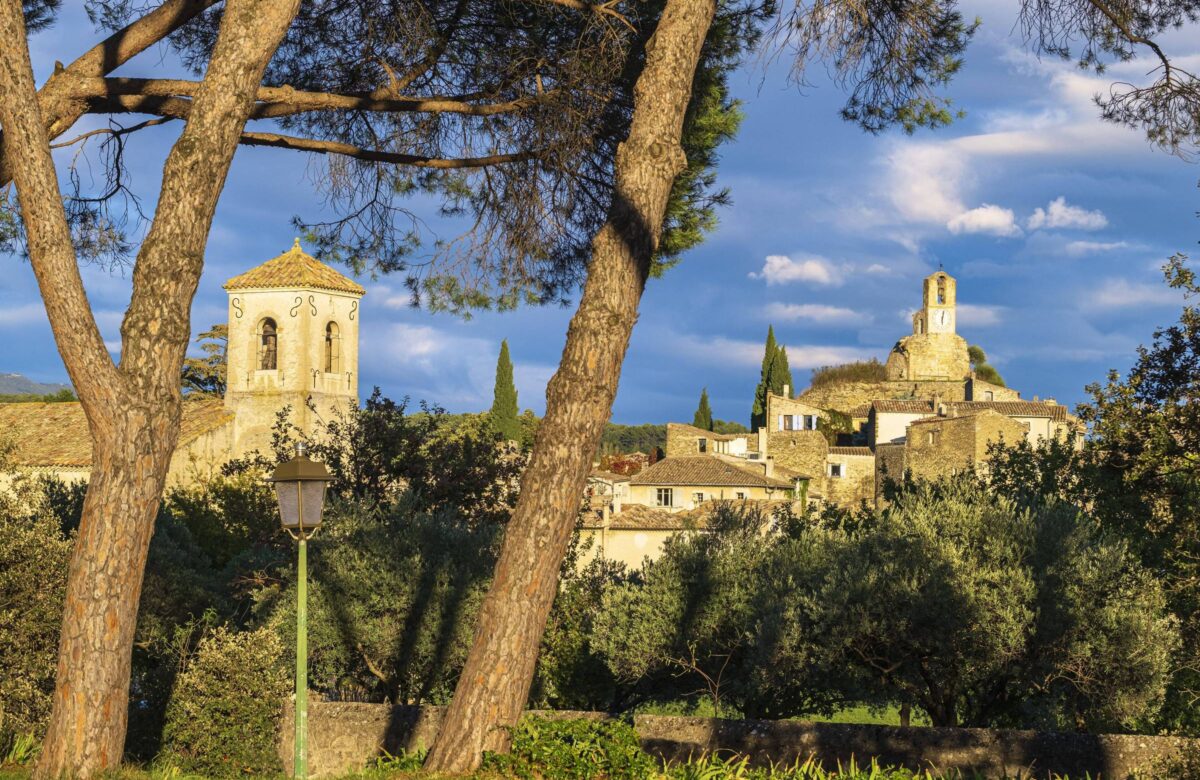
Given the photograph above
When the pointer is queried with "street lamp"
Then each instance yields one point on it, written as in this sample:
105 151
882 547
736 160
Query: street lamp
300 488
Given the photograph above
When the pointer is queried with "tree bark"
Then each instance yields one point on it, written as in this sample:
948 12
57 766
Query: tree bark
495 681
133 409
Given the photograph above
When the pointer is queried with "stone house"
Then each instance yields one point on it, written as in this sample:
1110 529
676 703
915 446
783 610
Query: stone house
686 482
293 342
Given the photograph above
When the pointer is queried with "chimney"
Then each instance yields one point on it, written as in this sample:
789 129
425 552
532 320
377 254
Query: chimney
1035 399
769 468
762 442
1051 402
786 391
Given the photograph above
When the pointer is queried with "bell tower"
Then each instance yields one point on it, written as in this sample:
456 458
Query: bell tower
293 341
934 352
938 309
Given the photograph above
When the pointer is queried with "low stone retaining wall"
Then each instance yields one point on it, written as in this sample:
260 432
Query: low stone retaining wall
347 736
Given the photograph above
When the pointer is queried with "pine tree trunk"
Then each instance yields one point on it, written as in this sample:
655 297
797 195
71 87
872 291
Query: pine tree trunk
129 465
133 410
495 681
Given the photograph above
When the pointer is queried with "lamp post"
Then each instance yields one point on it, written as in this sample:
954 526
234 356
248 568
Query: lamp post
300 489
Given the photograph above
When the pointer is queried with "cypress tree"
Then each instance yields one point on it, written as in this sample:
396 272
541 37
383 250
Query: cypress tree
758 414
780 375
703 418
504 401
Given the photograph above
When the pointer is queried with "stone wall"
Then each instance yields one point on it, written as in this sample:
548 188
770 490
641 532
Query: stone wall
858 482
948 445
844 397
929 356
346 737
800 451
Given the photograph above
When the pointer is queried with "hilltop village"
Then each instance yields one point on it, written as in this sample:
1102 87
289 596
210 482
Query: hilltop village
839 444
293 342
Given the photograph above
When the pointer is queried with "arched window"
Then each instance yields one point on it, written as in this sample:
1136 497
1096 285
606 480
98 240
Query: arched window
941 295
333 352
268 345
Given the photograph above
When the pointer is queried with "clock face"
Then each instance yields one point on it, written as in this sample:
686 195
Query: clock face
941 317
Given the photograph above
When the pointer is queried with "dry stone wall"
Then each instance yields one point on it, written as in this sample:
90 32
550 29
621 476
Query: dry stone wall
346 737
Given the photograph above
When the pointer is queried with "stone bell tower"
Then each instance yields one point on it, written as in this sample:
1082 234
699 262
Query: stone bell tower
293 341
934 350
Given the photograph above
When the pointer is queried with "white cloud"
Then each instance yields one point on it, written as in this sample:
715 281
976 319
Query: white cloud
23 314
781 269
1122 293
990 219
815 312
749 353
1060 214
1080 248
978 316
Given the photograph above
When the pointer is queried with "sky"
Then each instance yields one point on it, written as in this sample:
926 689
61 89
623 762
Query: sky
1055 223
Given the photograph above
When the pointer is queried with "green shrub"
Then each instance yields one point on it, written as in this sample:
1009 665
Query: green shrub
859 371
33 574
569 749
223 718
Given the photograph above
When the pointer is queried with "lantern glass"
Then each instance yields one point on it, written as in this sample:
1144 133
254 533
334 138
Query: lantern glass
295 495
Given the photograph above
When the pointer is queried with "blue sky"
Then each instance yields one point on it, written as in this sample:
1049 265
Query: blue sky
1055 223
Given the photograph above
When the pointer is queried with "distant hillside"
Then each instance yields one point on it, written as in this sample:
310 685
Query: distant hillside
17 384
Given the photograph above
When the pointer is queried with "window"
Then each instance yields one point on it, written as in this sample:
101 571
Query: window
787 422
268 345
702 444
988 395
666 497
740 495
810 422
698 498
837 470
333 349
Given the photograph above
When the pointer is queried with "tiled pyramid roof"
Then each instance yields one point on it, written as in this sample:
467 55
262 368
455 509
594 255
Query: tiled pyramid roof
56 434
294 268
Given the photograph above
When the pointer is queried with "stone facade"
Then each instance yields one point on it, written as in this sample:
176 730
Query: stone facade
937 446
849 476
684 440
293 341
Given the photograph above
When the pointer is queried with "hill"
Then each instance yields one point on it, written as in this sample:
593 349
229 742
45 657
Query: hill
18 384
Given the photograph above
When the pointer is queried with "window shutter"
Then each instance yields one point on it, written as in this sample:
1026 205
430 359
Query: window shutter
781 422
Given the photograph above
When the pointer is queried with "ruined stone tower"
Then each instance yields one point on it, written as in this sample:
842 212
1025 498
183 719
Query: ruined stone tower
934 350
293 340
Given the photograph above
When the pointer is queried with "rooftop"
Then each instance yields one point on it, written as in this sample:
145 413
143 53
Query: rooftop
703 471
57 434
294 269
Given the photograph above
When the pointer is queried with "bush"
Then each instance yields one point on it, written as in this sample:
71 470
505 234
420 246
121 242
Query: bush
34 556
223 718
569 749
859 371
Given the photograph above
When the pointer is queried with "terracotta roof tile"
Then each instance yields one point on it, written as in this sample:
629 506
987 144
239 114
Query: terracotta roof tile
693 430
903 407
608 476
705 471
1015 408
294 269
56 434
852 451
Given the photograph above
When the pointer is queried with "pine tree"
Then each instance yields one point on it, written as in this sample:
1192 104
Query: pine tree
758 415
703 418
504 402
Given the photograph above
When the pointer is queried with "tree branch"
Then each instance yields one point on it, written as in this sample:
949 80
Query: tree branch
59 112
336 147
126 95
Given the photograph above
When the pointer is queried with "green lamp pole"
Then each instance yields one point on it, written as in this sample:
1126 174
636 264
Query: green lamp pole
300 488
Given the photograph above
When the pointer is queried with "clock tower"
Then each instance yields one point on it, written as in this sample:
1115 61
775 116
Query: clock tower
937 313
934 351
